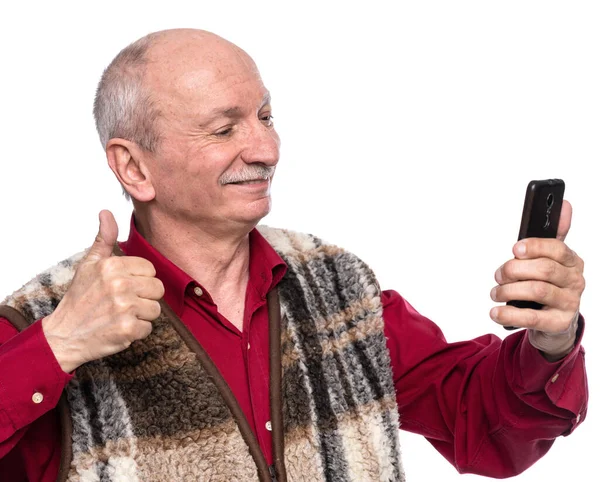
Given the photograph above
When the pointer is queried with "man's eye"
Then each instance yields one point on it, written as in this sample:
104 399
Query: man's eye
267 119
224 132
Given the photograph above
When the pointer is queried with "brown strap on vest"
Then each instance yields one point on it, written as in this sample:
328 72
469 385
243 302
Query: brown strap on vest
275 391
16 319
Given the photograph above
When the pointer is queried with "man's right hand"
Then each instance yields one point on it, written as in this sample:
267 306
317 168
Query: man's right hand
110 303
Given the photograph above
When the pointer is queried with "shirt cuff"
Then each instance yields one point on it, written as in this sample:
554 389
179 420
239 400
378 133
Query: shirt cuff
563 381
31 380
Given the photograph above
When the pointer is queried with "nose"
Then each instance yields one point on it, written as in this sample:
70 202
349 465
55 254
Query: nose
262 145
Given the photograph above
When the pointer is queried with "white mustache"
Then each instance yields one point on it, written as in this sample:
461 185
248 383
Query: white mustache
248 173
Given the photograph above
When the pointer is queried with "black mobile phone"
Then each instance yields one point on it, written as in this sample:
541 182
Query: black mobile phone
541 213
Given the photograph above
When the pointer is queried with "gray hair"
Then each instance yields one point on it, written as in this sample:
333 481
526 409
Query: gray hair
123 106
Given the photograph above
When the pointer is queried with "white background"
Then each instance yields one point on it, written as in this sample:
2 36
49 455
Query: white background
409 130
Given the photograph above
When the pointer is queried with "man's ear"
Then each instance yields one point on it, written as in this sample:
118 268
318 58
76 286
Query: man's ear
129 164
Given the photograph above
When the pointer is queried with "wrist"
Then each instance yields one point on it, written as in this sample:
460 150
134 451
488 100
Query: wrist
558 355
64 354
554 346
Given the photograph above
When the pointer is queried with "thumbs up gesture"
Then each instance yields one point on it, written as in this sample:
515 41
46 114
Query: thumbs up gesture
110 303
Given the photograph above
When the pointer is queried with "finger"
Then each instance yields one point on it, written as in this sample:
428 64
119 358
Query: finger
148 310
564 224
144 328
106 237
549 320
541 269
539 291
149 288
531 248
133 329
136 266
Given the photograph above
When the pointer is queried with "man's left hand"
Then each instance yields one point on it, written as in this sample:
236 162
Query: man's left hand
549 272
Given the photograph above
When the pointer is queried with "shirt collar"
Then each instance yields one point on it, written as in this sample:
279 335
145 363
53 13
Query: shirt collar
266 267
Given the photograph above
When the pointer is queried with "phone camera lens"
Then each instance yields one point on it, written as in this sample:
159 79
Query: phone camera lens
550 200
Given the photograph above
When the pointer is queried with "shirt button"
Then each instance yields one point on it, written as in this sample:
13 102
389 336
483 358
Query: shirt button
248 346
577 418
37 397
268 426
554 378
198 291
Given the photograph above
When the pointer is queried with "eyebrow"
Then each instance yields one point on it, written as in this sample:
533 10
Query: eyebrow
236 112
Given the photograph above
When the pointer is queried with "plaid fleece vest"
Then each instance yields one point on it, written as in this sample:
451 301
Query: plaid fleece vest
160 411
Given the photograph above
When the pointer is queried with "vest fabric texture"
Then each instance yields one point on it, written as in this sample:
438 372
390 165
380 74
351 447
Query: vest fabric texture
161 412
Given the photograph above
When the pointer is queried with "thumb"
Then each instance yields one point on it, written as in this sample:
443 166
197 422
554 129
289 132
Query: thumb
106 238
564 224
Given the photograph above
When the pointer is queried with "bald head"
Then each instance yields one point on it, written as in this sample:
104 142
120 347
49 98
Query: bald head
179 46
128 99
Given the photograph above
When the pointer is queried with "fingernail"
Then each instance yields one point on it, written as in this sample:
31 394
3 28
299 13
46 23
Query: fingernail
493 293
521 249
498 275
494 314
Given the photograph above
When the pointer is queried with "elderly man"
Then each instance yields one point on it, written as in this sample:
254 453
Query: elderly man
203 348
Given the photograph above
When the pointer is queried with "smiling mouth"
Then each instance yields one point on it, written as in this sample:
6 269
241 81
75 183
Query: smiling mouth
253 181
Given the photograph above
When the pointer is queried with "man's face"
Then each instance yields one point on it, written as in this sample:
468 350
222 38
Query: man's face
215 128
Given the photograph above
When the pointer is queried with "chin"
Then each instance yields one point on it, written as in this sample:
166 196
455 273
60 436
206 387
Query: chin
252 213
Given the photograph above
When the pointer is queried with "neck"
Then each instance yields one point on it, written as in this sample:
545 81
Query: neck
217 258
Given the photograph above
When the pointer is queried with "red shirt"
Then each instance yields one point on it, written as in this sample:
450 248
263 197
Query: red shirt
478 402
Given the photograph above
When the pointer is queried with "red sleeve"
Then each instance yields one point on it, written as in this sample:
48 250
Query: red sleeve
27 368
489 406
